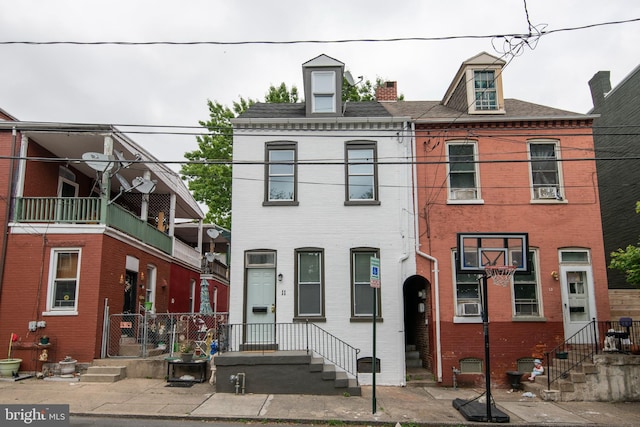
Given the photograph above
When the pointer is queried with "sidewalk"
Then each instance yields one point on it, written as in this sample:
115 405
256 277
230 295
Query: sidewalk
151 398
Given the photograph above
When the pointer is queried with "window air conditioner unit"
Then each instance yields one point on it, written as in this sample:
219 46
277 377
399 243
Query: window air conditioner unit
463 194
470 309
547 192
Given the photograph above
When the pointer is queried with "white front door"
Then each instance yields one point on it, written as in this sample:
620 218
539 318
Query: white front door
577 298
260 305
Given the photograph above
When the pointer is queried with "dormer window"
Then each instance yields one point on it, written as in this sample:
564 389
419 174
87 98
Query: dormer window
323 87
484 83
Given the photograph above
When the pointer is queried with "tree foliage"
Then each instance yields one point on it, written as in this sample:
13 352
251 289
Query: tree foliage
628 261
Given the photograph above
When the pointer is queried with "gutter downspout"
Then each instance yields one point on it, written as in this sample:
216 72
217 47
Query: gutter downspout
404 213
436 271
9 210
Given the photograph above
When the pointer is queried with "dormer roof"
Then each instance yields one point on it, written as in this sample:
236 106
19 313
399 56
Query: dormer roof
323 61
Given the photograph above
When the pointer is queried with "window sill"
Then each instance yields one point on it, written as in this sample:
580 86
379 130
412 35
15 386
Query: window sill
287 203
549 201
365 319
465 201
60 313
362 203
529 319
309 319
467 319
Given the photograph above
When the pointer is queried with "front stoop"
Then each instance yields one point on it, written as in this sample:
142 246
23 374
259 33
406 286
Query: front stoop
104 374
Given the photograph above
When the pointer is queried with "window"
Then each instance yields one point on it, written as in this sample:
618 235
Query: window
361 173
470 365
485 90
323 87
361 290
309 283
463 183
281 170
545 175
525 291
64 278
468 295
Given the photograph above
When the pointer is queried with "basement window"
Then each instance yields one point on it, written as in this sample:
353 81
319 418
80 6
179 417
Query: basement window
471 365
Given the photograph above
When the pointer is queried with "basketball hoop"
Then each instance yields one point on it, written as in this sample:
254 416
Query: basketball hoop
501 274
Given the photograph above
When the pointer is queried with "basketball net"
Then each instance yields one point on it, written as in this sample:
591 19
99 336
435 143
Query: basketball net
501 274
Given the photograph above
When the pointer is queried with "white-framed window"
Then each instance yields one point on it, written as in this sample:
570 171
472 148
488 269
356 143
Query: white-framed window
468 296
463 171
361 290
545 170
309 283
64 279
361 173
486 95
323 89
526 290
280 174
149 282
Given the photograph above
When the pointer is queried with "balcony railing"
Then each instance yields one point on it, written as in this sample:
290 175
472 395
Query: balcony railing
87 210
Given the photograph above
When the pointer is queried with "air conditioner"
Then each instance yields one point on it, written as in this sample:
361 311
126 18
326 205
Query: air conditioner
463 194
547 192
470 309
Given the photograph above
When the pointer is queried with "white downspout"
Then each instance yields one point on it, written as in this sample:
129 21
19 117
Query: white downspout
436 278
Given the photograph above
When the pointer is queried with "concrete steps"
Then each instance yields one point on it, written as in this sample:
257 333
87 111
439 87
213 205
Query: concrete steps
416 375
104 374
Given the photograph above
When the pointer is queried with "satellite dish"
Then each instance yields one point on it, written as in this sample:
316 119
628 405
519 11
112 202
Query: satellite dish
213 233
210 256
144 185
349 78
98 161
124 184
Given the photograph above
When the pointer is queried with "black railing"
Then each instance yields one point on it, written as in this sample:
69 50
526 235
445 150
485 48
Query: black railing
595 337
298 336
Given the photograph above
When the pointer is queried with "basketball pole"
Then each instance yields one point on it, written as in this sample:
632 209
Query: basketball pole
485 324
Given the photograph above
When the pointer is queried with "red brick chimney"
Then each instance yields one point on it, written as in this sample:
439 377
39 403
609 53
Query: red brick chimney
387 92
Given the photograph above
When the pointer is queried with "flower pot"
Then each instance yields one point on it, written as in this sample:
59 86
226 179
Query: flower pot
186 357
67 366
562 355
9 367
44 340
148 305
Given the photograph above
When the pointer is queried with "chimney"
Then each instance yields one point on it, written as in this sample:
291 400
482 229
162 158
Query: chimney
387 92
600 85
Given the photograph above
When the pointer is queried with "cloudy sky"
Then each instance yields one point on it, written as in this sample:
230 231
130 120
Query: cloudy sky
170 84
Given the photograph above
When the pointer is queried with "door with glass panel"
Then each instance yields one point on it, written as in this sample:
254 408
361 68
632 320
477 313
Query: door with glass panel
577 298
260 302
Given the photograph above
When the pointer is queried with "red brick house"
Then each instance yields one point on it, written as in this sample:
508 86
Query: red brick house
83 238
489 164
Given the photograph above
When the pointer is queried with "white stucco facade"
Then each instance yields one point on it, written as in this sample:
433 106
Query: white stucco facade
321 219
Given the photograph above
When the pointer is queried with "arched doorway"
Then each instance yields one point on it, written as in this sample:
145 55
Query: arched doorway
417 308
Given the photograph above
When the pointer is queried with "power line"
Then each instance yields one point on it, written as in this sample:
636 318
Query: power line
310 41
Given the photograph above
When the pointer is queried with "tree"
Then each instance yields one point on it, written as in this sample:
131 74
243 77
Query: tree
208 172
628 261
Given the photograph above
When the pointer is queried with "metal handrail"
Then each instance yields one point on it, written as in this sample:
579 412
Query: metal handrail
298 336
585 343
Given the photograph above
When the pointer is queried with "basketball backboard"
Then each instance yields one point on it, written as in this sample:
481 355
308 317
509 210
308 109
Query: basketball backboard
475 251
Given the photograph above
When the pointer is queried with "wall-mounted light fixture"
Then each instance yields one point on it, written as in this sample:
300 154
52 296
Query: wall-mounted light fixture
554 274
142 276
421 307
280 277
121 279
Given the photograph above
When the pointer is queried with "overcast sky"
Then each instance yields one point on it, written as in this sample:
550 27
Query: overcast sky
170 85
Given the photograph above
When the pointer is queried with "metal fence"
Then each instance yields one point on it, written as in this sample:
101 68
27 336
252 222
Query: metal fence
289 336
153 334
596 337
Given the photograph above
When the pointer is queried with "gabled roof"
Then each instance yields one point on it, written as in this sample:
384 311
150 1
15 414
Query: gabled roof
434 111
323 61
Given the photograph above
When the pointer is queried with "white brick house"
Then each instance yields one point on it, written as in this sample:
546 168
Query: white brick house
318 188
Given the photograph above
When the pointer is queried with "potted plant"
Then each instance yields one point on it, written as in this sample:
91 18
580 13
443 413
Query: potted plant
186 351
561 351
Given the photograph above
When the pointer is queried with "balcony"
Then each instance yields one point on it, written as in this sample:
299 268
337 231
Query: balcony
88 210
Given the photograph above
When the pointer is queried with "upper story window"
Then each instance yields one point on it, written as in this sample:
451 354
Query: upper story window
281 174
361 290
323 89
484 84
62 297
545 173
309 283
362 180
463 172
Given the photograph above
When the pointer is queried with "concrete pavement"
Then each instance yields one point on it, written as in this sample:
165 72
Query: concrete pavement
149 398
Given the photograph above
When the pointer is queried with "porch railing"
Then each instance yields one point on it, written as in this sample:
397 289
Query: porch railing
298 336
87 210
595 337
